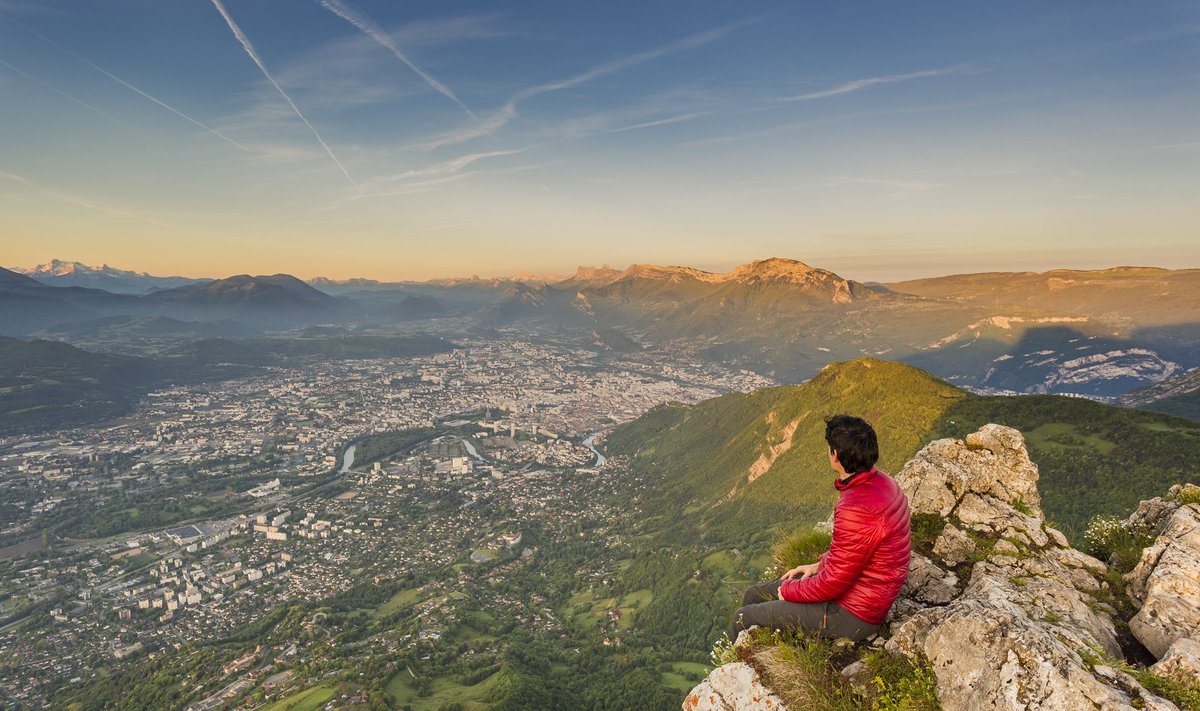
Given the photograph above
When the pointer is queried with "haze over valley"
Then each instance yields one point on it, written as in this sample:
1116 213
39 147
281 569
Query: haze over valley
426 356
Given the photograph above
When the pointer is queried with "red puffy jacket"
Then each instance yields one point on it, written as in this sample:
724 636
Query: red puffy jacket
867 562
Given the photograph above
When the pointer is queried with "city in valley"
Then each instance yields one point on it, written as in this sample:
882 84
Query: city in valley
256 509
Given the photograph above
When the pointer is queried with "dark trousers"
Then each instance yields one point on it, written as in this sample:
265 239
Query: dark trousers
761 606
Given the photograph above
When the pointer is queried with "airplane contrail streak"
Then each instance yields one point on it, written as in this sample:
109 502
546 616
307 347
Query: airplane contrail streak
375 32
60 92
127 85
245 41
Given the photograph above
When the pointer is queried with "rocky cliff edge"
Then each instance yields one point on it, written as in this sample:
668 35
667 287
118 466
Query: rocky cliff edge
1005 613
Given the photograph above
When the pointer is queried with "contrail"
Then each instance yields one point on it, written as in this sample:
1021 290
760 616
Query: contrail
852 86
127 85
61 93
241 37
375 32
508 111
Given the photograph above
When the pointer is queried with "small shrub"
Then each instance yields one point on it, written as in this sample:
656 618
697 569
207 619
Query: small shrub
723 652
924 530
1053 617
1116 541
1020 505
901 684
805 671
800 548
1184 695
1189 494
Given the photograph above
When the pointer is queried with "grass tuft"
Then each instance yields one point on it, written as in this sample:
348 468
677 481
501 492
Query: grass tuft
805 672
924 530
800 548
1189 494
1116 541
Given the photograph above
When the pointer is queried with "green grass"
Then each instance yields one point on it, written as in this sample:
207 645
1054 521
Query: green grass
443 691
800 548
486 554
1066 436
401 600
684 676
310 699
636 599
805 672
721 563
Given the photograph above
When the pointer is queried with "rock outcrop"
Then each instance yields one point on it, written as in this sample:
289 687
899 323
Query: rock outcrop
1166 581
1005 612
732 686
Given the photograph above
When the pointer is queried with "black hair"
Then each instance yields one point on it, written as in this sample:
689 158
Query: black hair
854 441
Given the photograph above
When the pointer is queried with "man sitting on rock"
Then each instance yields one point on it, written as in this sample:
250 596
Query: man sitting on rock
849 590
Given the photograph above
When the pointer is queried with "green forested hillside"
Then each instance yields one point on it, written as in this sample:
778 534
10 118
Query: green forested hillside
702 456
46 384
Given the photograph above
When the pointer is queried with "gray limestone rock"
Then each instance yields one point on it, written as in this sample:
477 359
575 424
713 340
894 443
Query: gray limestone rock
953 546
1181 661
1166 582
732 687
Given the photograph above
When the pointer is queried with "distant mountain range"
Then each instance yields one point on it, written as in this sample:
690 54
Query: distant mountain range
28 306
1093 333
58 272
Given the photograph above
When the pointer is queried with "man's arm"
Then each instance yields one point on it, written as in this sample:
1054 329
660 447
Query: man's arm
856 535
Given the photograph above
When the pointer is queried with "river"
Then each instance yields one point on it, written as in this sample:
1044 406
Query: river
590 444
471 449
348 459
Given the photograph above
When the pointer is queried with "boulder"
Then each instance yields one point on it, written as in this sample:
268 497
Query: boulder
1166 580
929 584
732 687
986 483
953 546
1181 661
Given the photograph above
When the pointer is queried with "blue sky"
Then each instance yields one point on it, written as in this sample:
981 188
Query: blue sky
883 140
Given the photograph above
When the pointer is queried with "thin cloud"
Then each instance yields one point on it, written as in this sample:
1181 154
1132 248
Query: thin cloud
87 203
447 167
508 111
860 84
245 42
127 85
375 32
429 184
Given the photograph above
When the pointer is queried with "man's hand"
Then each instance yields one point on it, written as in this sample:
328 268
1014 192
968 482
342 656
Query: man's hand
803 571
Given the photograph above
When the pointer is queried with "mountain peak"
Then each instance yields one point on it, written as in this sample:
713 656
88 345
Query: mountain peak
66 267
781 269
59 267
669 273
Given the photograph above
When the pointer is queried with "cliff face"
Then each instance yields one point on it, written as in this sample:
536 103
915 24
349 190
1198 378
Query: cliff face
1005 613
